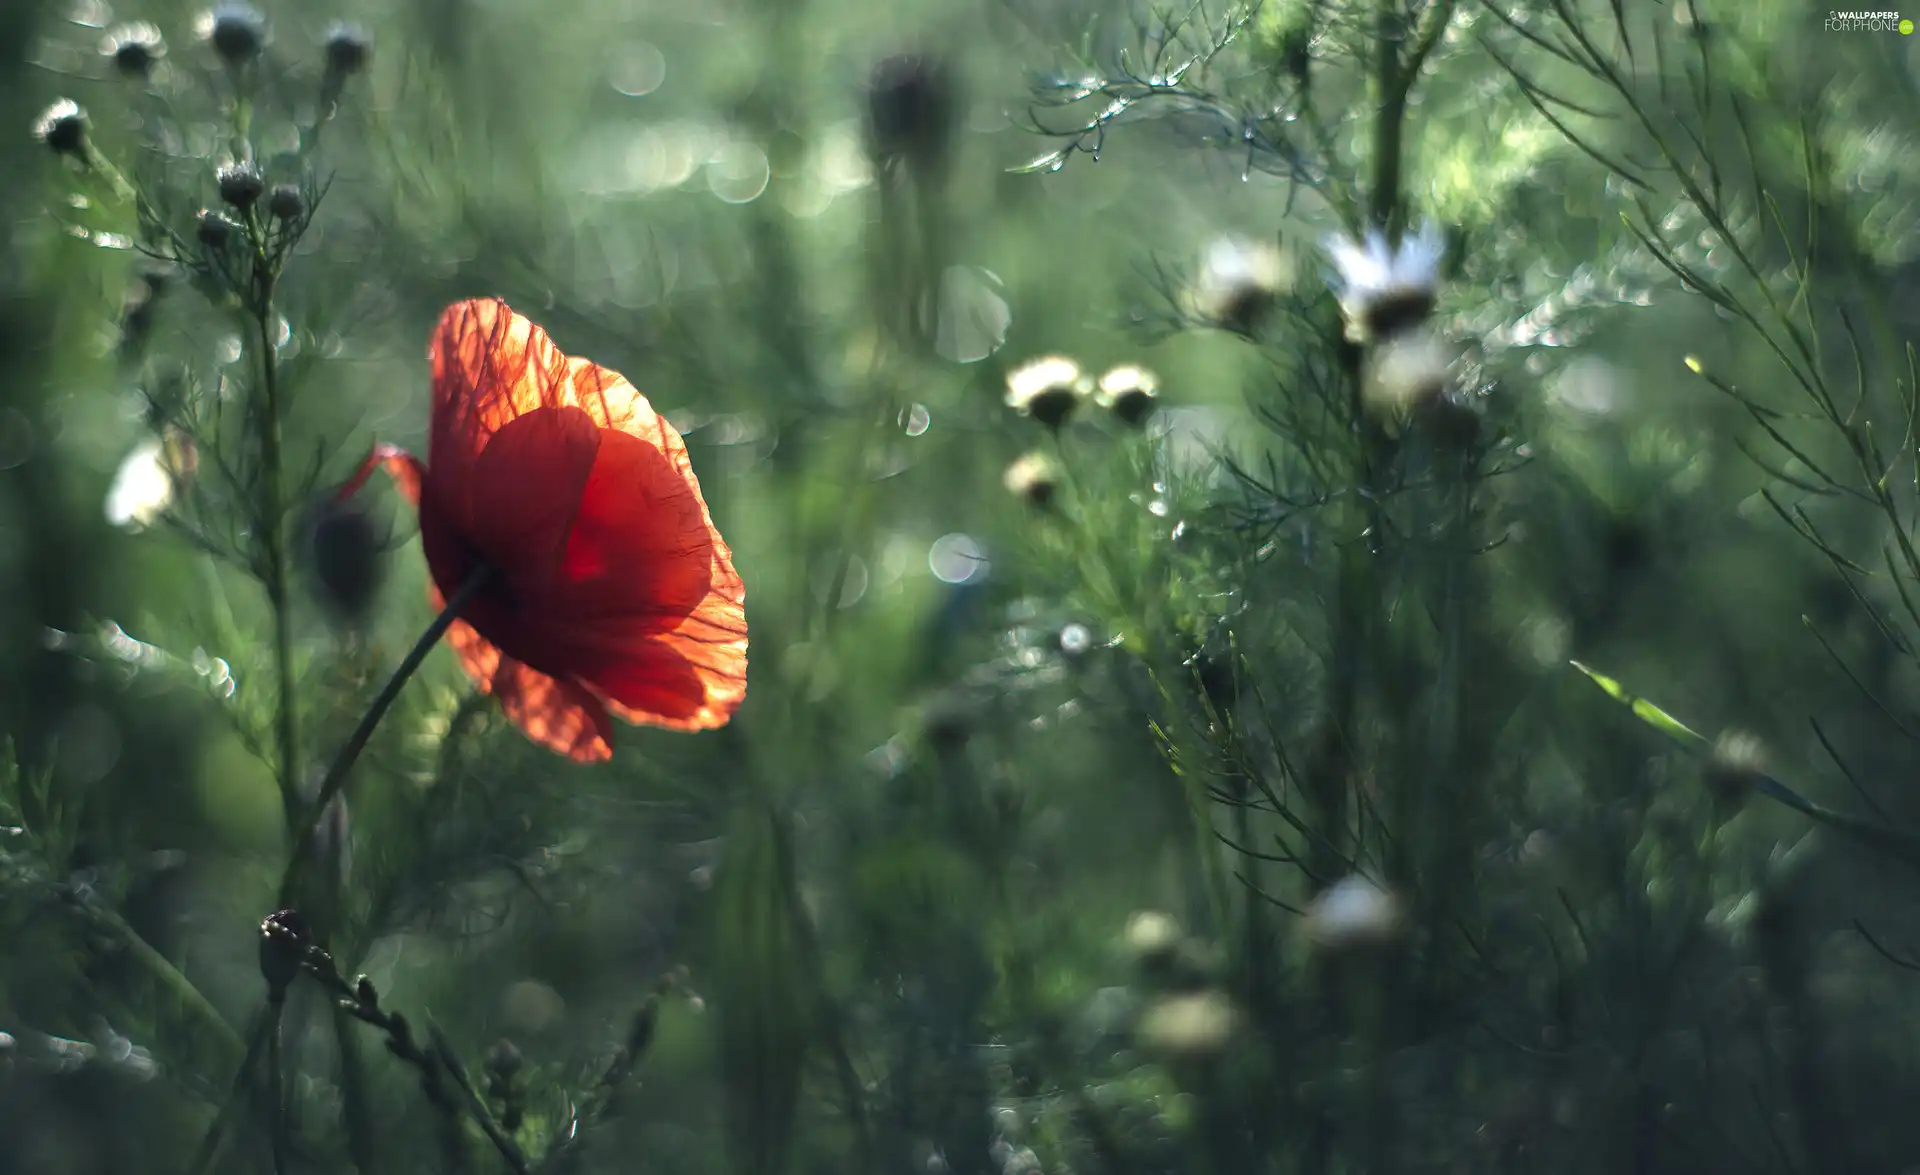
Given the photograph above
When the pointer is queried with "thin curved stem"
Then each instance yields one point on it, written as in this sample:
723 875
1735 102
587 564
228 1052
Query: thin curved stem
336 776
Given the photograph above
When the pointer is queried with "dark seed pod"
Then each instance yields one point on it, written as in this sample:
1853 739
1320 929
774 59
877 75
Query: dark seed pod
135 49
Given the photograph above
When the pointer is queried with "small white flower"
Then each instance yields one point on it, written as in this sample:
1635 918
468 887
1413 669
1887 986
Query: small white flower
143 486
1046 389
1353 912
1128 392
1238 280
1404 373
1192 1024
1383 289
1151 934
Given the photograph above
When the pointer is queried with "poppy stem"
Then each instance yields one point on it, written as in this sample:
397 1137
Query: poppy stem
336 776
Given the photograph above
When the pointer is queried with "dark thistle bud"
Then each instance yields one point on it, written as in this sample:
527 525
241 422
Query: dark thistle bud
365 992
240 185
236 32
348 50
284 943
215 229
1128 392
286 203
63 128
910 110
1033 479
135 49
346 547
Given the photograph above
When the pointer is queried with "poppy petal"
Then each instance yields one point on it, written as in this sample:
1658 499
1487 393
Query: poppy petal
402 466
562 716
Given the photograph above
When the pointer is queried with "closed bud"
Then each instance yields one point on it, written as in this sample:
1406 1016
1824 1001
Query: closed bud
63 128
216 230
236 32
366 992
134 49
240 185
286 203
284 942
346 549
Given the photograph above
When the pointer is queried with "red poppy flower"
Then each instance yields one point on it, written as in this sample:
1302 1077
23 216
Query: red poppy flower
611 592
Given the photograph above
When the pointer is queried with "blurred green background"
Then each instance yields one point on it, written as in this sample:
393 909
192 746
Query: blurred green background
900 896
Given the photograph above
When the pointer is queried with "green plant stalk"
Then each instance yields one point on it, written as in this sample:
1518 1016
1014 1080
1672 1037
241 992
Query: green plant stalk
170 977
275 571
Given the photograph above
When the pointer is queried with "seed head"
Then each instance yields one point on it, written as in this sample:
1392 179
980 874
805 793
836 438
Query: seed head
348 49
237 33
286 202
135 49
215 229
1046 389
63 128
240 185
1128 392
1034 479
503 1058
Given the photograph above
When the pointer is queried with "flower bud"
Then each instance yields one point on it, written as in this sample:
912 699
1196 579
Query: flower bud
1046 389
286 202
347 549
216 230
284 941
240 185
910 110
135 49
1128 392
237 33
63 128
348 50
1034 479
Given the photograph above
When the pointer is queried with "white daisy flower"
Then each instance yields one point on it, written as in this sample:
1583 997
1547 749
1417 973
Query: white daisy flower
1385 290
